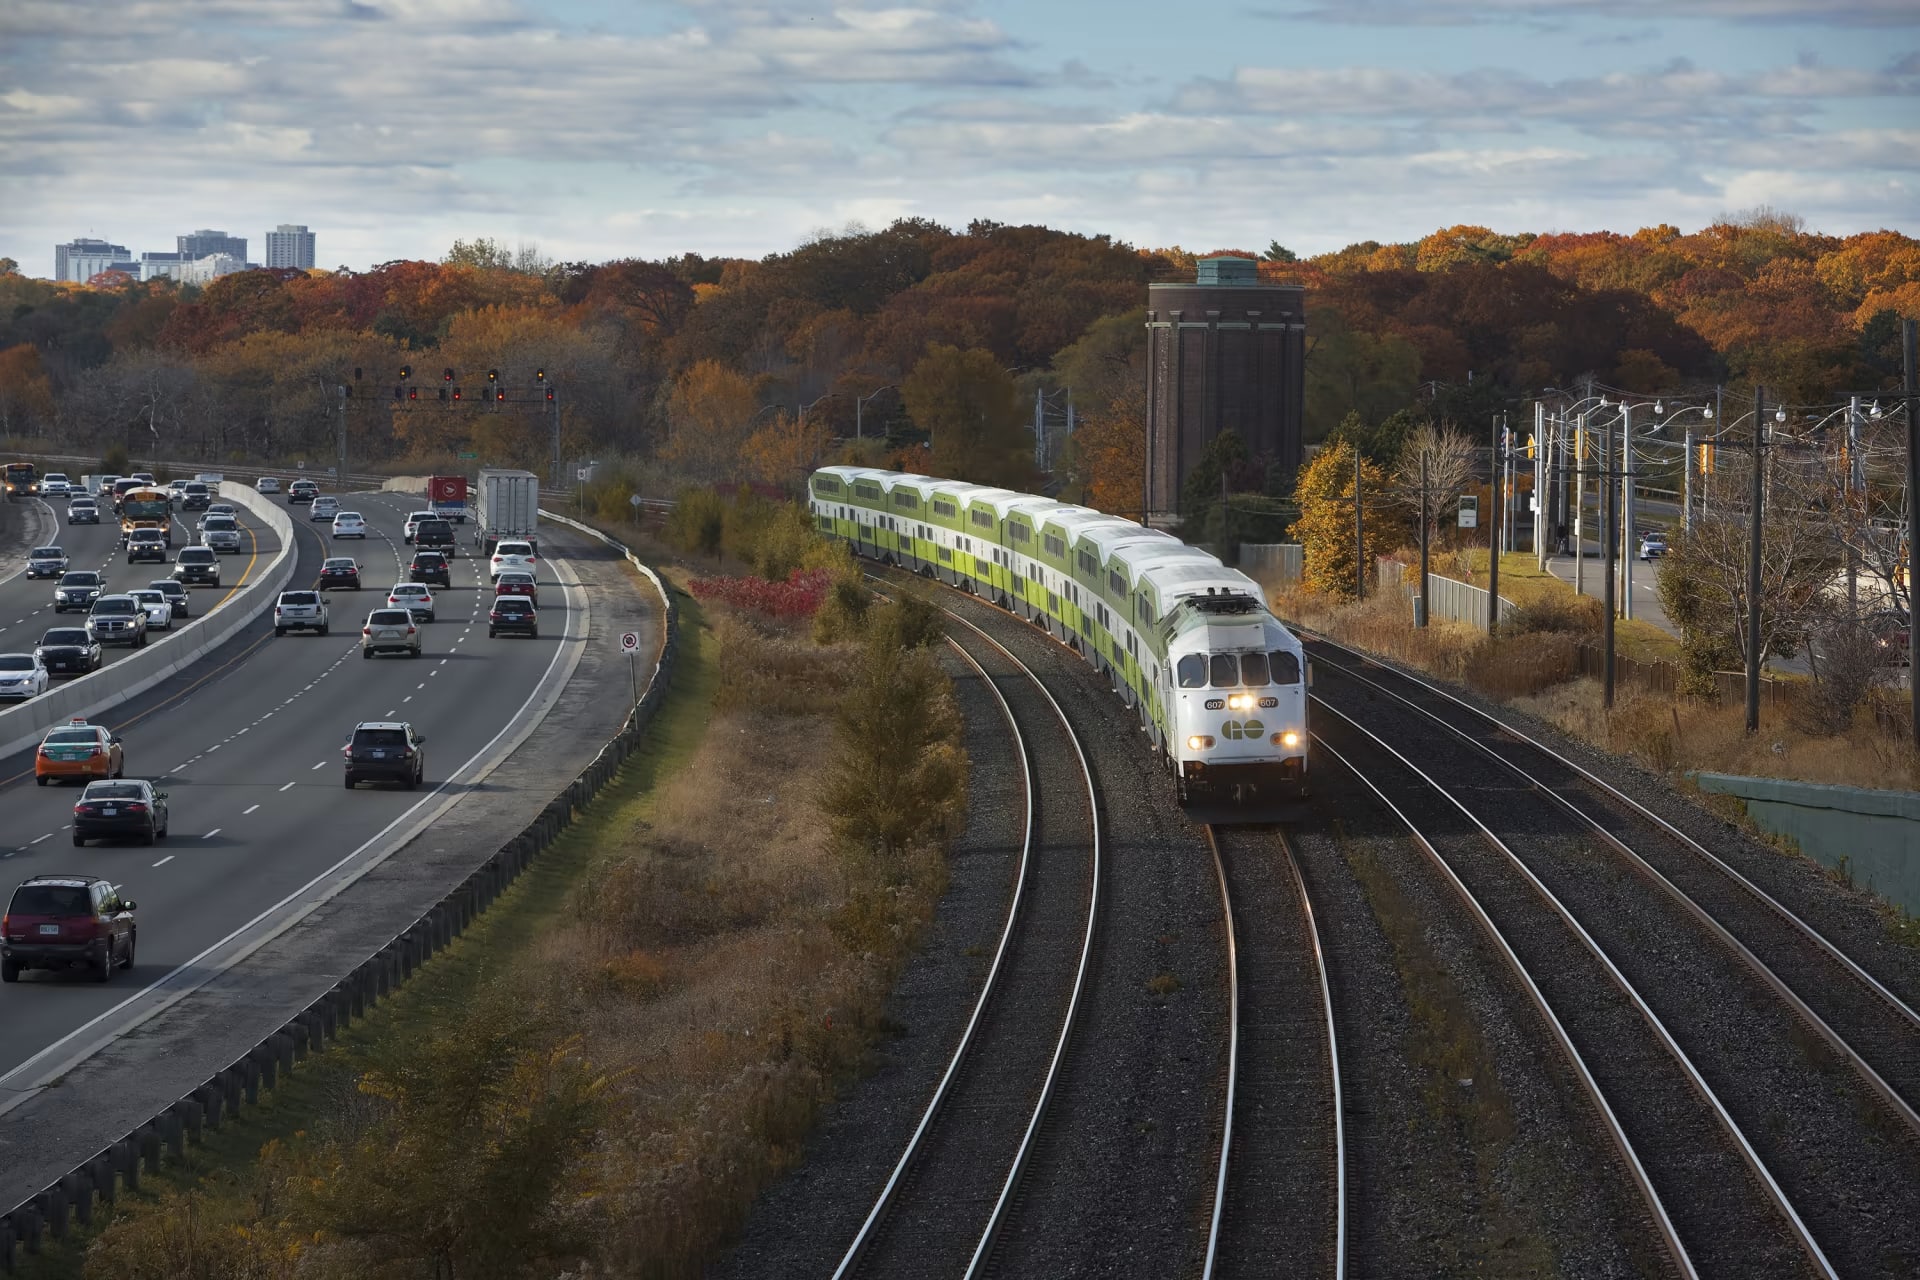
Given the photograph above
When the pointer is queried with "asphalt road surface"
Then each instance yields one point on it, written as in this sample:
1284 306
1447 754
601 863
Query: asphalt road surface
247 744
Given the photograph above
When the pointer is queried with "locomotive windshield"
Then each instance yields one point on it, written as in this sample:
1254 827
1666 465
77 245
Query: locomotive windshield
1237 670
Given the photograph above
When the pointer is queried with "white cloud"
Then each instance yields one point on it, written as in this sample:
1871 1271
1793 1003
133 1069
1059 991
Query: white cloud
1400 13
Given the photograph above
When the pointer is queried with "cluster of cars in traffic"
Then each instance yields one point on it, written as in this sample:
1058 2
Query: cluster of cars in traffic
410 605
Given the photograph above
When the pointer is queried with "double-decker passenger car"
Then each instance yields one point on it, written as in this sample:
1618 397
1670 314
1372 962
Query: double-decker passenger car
1187 643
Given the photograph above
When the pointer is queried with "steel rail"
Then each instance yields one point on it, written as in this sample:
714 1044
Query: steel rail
1899 1105
868 1228
1808 931
1001 1206
1755 1165
1233 1057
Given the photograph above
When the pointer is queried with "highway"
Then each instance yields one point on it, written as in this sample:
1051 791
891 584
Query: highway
26 604
248 746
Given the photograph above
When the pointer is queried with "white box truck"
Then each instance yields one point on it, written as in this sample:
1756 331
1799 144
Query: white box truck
506 505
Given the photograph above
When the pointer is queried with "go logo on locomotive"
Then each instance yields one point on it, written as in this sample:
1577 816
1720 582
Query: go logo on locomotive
1242 729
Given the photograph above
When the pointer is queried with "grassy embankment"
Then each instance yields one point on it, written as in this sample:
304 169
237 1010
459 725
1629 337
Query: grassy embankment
599 1077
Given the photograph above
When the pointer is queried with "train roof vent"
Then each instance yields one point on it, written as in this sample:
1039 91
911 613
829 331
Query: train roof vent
1223 600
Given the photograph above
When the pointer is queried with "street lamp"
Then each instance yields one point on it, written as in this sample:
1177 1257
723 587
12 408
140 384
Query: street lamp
831 395
859 403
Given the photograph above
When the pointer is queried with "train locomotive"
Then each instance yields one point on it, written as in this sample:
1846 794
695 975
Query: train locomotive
1219 685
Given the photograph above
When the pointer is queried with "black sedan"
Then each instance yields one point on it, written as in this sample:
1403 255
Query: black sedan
69 651
121 807
339 574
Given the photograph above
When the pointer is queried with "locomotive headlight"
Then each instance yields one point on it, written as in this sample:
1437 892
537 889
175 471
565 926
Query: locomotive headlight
1199 742
1240 702
1289 739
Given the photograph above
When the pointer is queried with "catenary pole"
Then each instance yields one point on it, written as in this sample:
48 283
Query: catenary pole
1425 612
1756 514
1495 538
1608 492
1912 351
1359 534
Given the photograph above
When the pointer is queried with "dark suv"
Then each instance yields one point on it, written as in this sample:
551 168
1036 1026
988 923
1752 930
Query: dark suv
57 922
197 566
69 651
430 566
118 620
195 496
513 615
385 751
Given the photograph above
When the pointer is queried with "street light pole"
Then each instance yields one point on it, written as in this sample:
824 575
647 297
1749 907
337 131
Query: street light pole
1912 355
1753 558
1495 538
1580 504
1608 493
859 403
1359 535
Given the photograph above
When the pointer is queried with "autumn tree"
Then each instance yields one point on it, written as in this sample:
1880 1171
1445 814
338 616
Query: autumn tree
967 404
1439 459
1324 492
26 393
710 416
785 449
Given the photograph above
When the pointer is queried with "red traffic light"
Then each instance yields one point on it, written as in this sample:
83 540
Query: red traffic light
500 395
456 393
549 394
446 374
413 393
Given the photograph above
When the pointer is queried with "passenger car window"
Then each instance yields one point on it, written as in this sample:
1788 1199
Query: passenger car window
1193 671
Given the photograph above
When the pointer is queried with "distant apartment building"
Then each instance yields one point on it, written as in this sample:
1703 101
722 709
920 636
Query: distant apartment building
203 243
211 267
289 245
161 264
81 259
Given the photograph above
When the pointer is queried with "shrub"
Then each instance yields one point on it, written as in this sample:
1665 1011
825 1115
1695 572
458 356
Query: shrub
907 621
798 597
843 614
1524 665
114 462
697 522
1571 614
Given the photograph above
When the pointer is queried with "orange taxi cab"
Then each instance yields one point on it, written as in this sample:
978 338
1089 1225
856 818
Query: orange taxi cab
79 750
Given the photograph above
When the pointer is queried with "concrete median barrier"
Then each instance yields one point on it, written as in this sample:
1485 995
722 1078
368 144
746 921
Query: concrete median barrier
23 726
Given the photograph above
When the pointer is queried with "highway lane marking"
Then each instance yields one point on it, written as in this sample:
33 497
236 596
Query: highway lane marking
443 662
164 861
421 685
31 843
409 698
177 768
210 750
290 785
211 834
249 809
321 765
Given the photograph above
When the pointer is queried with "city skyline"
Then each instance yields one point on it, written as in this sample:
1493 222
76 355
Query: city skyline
596 131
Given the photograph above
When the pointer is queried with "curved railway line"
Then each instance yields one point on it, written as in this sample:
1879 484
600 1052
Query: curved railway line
959 1175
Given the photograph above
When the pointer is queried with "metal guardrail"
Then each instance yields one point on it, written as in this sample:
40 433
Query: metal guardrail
120 1164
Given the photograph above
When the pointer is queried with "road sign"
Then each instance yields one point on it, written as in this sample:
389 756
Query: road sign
469 455
634 501
583 473
333 471
629 642
1470 512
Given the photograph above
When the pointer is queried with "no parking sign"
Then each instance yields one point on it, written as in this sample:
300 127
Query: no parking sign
629 642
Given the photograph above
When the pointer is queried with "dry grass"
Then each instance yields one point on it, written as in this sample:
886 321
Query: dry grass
1686 734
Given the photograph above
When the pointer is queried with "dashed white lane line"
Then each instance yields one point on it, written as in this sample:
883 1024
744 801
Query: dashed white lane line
249 809
421 685
164 861
409 698
321 765
290 785
47 836
211 834
443 662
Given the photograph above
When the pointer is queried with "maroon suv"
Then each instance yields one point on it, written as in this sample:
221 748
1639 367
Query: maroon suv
62 922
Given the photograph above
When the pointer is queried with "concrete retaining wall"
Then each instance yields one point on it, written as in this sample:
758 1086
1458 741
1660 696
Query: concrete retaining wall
1874 836
23 726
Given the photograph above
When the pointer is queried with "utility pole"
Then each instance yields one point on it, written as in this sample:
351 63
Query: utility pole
1753 557
1607 492
1580 504
342 442
1908 332
1853 469
1359 535
1495 535
1686 483
553 406
1626 509
1425 613
1542 469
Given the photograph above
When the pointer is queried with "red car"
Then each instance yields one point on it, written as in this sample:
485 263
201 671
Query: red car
515 582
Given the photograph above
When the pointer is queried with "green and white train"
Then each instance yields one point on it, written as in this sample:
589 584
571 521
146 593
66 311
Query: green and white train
1186 642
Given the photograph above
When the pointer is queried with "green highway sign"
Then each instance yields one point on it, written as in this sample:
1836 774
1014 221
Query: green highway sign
469 455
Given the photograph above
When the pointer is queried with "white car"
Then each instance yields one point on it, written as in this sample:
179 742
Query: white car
266 484
22 676
222 533
413 522
159 608
1653 546
56 485
511 555
414 597
348 524
324 509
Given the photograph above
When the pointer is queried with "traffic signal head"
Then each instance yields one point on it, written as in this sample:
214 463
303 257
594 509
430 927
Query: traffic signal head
397 394
549 395
443 395
493 375
413 393
500 395
406 371
539 375
356 374
456 394
446 374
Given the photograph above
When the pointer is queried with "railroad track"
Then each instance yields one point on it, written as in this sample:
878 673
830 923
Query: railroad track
1281 1187
959 1175
1865 1023
1708 1198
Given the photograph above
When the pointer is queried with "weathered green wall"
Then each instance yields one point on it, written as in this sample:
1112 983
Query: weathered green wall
1874 835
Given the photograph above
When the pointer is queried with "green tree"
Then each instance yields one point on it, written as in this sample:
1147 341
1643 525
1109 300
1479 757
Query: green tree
1277 252
968 404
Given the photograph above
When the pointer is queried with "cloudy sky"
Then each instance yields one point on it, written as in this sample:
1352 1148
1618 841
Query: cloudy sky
606 128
